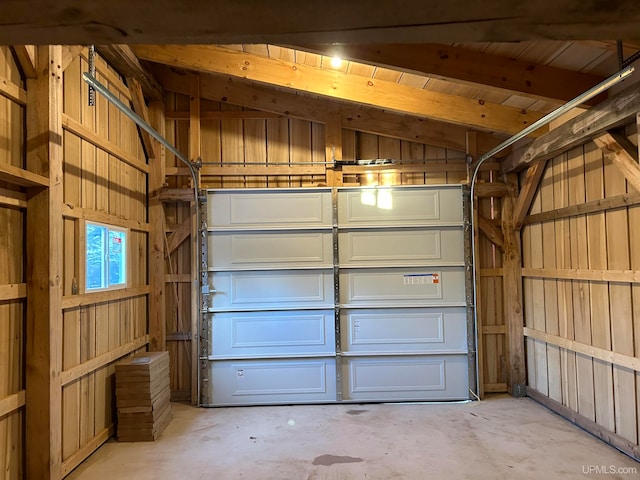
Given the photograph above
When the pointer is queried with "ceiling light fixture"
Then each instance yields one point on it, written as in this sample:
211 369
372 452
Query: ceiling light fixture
336 62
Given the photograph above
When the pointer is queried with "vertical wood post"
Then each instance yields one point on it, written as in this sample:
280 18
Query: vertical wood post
513 305
44 269
157 300
472 150
333 148
333 138
194 154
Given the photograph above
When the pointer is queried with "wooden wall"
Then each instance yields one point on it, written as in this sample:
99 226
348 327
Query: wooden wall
105 180
235 143
58 344
492 348
12 277
582 293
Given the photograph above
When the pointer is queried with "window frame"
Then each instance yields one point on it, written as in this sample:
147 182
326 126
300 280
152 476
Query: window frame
105 253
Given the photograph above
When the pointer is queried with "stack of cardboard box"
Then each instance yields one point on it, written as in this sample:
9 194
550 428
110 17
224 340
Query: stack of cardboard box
143 396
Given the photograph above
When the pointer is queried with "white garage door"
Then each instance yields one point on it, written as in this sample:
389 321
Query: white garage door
321 295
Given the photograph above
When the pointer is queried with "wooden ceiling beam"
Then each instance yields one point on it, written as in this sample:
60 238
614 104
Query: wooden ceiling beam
26 55
294 21
122 58
343 86
470 67
419 130
364 119
611 113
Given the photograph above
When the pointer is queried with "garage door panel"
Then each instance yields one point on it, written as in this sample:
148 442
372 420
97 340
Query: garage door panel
389 331
399 287
273 381
399 206
272 289
290 271
266 334
401 247
236 209
405 378
259 250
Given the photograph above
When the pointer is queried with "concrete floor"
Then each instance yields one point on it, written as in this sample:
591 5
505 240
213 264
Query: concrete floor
499 438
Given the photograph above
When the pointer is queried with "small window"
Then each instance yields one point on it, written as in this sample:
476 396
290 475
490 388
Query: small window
106 257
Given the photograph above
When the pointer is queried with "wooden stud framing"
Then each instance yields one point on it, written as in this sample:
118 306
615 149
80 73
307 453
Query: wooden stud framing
587 424
333 138
174 194
74 373
513 305
19 176
13 291
26 58
607 355
620 338
12 91
591 275
493 189
83 132
179 235
11 403
620 157
70 53
44 269
527 192
599 292
11 198
157 323
611 113
492 232
86 299
95 216
610 203
126 62
80 455
140 107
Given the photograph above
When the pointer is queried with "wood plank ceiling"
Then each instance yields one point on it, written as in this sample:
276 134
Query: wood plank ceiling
495 88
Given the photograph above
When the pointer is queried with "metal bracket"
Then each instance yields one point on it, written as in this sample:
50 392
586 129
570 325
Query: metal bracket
92 72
